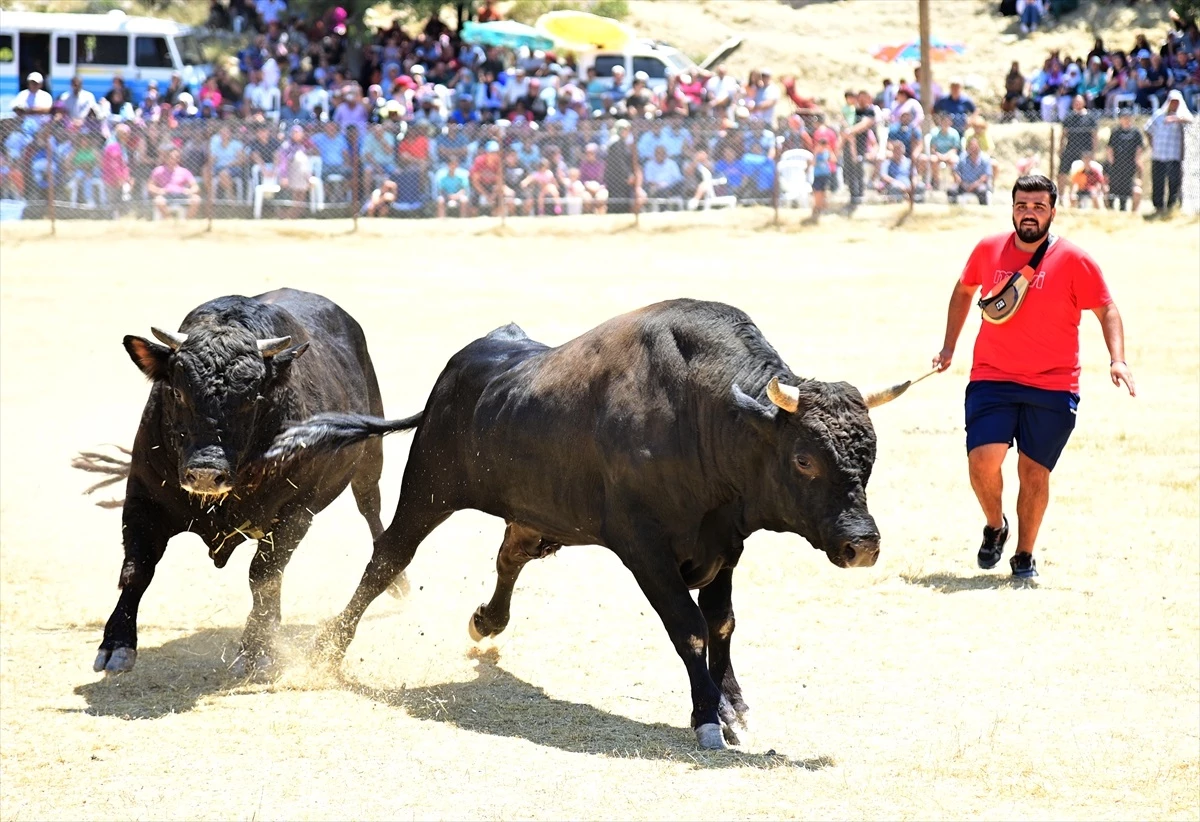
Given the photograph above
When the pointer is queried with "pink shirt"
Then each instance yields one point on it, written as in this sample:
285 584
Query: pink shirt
179 181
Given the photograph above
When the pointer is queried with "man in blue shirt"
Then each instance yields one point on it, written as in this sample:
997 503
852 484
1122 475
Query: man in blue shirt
972 175
331 144
957 105
906 134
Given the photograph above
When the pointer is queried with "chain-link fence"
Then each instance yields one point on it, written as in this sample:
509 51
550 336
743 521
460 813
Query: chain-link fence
193 169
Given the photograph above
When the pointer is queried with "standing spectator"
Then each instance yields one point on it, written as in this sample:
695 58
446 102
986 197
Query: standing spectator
1125 164
957 105
972 175
1166 153
906 101
172 184
722 92
114 168
1079 136
79 102
1014 93
766 96
269 11
33 100
228 159
452 185
119 102
856 147
824 170
622 177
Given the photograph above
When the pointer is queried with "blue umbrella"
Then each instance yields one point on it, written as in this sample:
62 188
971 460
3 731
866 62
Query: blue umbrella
910 50
507 34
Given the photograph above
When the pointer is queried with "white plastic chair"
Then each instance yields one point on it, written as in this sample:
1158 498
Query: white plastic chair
93 188
710 198
795 172
273 104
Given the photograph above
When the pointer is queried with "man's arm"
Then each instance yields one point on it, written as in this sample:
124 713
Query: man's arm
1114 338
956 317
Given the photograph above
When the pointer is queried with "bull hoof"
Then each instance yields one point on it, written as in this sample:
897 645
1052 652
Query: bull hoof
399 588
260 667
710 738
329 647
473 628
116 661
731 735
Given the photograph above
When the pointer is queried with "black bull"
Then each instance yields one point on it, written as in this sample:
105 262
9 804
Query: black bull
224 385
669 435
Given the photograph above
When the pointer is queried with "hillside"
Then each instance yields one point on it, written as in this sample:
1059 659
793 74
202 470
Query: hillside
827 45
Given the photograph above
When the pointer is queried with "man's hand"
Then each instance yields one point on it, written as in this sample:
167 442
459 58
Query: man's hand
941 360
1120 373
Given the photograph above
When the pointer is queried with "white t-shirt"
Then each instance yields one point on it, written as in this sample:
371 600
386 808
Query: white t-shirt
78 105
41 99
719 87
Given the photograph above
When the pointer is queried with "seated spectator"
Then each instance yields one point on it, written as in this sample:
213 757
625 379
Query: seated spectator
380 202
379 152
662 175
464 111
1015 98
228 160
1095 78
486 176
977 127
759 170
458 141
83 162
1153 82
957 105
591 174
972 175
263 146
541 183
692 88
945 145
1185 76
1087 182
333 149
1125 143
895 175
452 185
415 150
293 166
171 184
907 135
118 103
729 166
1031 13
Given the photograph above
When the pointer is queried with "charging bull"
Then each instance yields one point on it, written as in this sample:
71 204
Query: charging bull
224 385
669 435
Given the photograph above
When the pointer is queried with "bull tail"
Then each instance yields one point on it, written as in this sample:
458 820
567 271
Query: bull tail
325 433
117 469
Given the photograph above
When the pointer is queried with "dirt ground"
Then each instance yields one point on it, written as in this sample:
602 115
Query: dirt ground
921 688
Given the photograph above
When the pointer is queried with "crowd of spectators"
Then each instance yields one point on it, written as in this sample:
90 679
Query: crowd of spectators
435 125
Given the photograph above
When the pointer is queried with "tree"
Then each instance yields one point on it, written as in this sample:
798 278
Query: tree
1188 10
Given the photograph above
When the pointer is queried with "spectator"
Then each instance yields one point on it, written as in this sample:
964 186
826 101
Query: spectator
486 174
795 135
464 112
1124 156
957 105
759 171
452 185
886 98
1152 82
228 160
33 100
1015 98
1079 136
977 127
351 111
692 88
1185 75
171 184
114 168
945 145
78 102
895 175
824 170
803 104
263 146
293 165
1095 78
415 150
333 149
379 152
1121 85
622 177
1087 181
1031 13
722 92
915 85
210 96
380 202
591 174
906 101
1166 153
907 135
662 174
543 184
972 175
118 103
173 89
856 146
766 96
269 11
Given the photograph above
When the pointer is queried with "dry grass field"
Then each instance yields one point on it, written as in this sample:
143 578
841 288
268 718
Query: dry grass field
921 688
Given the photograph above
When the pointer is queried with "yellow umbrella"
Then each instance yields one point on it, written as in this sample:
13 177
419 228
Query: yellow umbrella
581 31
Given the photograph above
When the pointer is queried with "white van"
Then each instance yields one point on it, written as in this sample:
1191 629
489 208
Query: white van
653 57
96 47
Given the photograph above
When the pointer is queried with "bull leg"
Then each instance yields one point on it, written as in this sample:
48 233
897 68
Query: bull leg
716 603
145 538
256 654
660 580
520 545
393 551
365 486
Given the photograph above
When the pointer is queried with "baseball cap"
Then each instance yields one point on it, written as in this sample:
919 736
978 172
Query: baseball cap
641 75
35 77
491 145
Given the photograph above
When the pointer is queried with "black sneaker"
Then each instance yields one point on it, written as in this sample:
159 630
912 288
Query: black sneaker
1023 565
993 545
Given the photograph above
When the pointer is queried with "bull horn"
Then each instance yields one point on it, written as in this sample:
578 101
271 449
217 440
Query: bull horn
170 338
877 398
271 347
786 397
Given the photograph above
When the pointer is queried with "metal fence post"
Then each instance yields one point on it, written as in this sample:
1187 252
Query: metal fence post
775 183
1052 153
503 202
208 181
50 172
355 173
637 173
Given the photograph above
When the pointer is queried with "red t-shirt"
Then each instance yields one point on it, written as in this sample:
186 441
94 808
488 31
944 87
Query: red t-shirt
1039 345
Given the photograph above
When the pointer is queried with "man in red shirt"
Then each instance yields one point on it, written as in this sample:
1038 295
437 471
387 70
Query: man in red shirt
1025 375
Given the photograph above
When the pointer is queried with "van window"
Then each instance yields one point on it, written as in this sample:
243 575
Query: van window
151 52
189 50
62 51
6 49
103 49
655 68
605 63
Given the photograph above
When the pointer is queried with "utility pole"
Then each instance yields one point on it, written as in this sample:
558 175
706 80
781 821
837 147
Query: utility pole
927 100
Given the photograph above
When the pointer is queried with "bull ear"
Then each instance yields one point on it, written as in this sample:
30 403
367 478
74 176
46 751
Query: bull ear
752 408
150 357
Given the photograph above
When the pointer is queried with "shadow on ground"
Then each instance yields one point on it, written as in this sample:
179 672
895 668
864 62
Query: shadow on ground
945 583
498 703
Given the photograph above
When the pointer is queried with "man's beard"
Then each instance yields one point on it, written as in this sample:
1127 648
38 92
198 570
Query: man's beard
1030 232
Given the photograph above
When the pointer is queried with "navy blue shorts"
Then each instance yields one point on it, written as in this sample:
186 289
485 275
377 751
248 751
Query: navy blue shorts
1040 421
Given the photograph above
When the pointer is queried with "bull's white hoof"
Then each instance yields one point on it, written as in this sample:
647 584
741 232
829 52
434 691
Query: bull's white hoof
471 629
399 587
117 661
710 738
731 734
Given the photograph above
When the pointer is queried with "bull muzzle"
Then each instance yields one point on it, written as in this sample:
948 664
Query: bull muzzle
209 482
862 552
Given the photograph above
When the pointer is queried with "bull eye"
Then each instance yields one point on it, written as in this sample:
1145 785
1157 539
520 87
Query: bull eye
803 464
177 394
